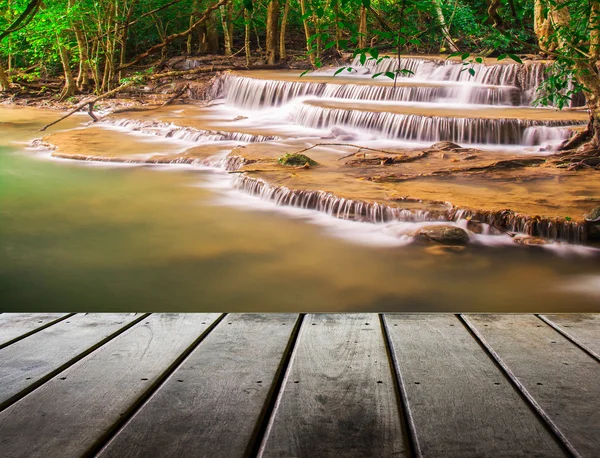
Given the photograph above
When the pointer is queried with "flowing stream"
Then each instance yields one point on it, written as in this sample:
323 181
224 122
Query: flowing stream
89 236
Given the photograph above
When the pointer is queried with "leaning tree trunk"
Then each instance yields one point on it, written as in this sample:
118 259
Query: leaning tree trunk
272 36
442 23
4 82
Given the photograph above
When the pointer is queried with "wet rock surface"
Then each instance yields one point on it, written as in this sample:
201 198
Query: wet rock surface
443 234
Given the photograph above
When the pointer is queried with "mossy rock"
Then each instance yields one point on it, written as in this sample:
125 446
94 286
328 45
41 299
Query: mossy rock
296 160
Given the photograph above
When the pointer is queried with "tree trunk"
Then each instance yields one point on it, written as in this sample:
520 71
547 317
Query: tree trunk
77 26
542 27
586 70
70 87
212 34
442 22
247 35
362 28
493 15
195 8
594 27
272 35
123 39
225 20
4 82
83 79
307 32
284 19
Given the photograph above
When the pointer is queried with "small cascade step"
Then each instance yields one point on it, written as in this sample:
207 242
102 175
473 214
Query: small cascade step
526 77
428 128
255 93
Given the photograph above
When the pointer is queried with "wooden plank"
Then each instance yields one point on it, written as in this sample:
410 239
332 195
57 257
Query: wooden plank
27 363
339 394
212 404
72 412
461 403
18 325
561 379
584 328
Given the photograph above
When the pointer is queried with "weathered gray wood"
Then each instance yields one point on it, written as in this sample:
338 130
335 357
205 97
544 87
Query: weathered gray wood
211 405
16 325
583 327
68 415
461 403
28 362
563 380
339 395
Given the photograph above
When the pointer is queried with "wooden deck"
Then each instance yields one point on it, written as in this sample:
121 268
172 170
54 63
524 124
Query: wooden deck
289 385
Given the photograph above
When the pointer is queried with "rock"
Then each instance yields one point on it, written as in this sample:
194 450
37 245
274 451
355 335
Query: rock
593 216
296 160
478 227
443 234
445 146
444 250
529 240
342 134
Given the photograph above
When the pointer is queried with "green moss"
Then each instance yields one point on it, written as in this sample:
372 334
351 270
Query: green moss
296 160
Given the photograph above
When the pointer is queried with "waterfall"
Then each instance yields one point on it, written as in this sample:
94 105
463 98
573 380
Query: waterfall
428 128
497 84
373 212
526 78
253 93
188 134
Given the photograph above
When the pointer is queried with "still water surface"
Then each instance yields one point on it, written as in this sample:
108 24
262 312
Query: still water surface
86 237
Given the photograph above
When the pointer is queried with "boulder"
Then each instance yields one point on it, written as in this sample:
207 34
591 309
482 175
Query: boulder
443 234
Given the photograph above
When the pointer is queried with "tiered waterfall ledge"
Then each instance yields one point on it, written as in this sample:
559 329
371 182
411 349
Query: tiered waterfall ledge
229 385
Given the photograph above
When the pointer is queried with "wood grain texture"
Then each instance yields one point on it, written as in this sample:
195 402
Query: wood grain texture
461 403
68 415
210 406
16 325
584 327
339 396
562 379
26 363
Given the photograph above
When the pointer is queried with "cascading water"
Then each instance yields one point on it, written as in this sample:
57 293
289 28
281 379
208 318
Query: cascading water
436 101
429 128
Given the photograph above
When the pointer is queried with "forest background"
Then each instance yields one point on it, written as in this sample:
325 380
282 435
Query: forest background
67 47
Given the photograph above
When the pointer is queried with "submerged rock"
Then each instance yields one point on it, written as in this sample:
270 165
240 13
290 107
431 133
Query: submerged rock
296 160
443 234
342 134
530 240
445 146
